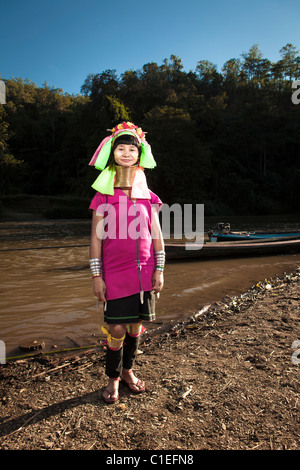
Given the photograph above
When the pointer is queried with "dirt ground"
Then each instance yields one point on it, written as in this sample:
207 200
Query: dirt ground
226 379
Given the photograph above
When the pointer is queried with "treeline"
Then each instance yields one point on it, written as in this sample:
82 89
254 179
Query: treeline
228 139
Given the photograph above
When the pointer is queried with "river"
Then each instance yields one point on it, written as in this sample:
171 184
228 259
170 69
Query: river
46 289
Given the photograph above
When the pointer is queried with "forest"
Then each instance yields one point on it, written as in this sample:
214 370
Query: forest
227 139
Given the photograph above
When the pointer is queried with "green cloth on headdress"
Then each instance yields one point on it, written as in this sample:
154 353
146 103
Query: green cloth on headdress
105 181
103 156
147 160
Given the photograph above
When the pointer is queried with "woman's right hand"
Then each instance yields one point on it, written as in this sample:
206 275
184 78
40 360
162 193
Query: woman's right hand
99 288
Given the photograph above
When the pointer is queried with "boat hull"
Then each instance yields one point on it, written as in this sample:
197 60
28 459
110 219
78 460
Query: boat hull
255 236
233 249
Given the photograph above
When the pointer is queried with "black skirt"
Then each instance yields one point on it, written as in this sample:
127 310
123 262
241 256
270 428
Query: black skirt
130 309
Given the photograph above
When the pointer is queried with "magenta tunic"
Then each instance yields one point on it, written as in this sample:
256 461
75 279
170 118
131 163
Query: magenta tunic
127 248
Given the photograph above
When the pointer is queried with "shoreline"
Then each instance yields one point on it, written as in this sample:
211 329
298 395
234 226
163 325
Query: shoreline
226 303
224 379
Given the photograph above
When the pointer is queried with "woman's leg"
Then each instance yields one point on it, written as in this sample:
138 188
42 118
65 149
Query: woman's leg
130 348
131 343
114 361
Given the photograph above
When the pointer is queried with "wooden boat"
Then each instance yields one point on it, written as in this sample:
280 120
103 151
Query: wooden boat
254 236
223 233
230 249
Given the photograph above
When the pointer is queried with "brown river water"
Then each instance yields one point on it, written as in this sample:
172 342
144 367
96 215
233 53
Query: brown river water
46 289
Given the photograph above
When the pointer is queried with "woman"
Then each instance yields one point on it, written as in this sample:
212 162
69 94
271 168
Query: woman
126 251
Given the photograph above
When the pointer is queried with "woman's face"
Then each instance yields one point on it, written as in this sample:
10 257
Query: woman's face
126 155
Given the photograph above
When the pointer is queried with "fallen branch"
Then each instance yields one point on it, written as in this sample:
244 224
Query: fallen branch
186 393
224 388
49 371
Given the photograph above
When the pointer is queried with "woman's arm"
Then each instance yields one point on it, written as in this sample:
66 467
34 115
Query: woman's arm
158 245
157 237
99 286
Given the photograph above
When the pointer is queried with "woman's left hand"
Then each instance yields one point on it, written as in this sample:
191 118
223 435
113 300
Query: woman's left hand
157 281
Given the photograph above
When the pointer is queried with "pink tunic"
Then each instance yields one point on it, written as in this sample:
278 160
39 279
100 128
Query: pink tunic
127 247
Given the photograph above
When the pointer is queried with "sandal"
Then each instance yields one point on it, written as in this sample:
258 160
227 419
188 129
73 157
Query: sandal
135 387
109 398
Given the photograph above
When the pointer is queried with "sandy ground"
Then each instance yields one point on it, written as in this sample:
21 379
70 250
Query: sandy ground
226 379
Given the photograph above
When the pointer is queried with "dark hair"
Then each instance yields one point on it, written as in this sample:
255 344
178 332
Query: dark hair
127 139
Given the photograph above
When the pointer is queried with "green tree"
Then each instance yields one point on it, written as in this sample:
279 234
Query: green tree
231 72
290 62
210 78
8 163
255 67
96 86
183 161
228 139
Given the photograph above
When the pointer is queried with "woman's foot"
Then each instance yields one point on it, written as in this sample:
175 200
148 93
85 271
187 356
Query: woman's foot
111 392
136 385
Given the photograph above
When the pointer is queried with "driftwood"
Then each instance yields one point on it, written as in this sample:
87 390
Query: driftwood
50 370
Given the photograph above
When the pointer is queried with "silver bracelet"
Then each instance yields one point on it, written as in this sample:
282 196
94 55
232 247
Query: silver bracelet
160 259
96 267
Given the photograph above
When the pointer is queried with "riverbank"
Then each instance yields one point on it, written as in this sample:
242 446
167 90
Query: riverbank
33 208
226 379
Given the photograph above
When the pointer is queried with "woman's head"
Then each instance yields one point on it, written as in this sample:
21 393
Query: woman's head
126 150
128 134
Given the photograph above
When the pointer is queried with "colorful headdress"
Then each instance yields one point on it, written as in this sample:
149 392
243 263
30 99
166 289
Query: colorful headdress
105 181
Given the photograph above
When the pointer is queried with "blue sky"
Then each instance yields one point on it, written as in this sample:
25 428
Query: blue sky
61 42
